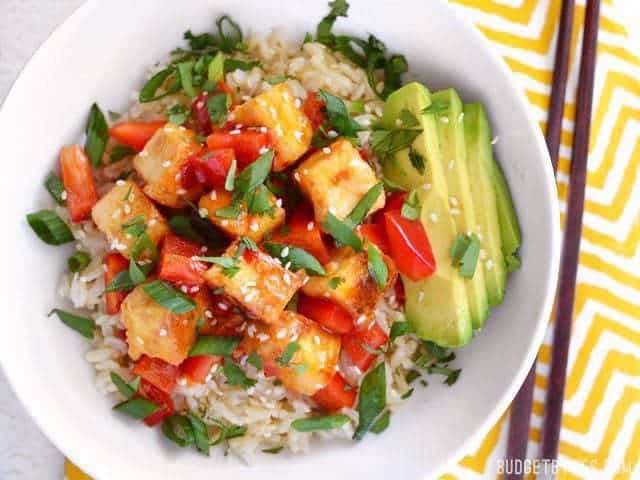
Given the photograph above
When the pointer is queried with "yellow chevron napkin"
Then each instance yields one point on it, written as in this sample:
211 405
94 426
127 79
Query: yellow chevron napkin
600 436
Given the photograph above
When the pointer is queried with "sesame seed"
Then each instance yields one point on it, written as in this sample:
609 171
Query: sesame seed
279 202
152 222
238 125
213 195
203 212
204 248
398 122
194 289
285 252
361 319
181 191
297 102
263 150
489 264
251 283
127 208
162 332
426 186
483 254
460 117
274 114
494 140
296 175
420 296
316 339
287 278
234 132
310 226
63 195
455 211
332 134
444 119
166 164
224 223
453 201
287 265
263 337
223 306
116 213
434 217
281 333
263 129
305 171
177 177
120 182
208 313
184 289
182 381
140 340
298 135
451 165
326 150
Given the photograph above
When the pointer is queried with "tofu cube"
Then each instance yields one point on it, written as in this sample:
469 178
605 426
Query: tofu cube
358 292
335 178
290 128
160 162
259 284
122 204
253 226
157 332
314 362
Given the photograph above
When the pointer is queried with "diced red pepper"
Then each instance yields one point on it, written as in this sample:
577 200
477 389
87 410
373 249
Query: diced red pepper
77 177
399 288
157 372
409 245
200 113
247 144
327 313
373 336
313 109
177 264
376 234
135 134
393 202
114 264
302 231
209 168
224 88
160 398
336 394
196 369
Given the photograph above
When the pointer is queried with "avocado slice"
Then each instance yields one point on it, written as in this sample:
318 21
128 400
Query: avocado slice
437 307
483 193
509 227
450 128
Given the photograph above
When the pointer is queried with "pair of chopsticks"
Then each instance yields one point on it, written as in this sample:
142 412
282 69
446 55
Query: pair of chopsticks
518 436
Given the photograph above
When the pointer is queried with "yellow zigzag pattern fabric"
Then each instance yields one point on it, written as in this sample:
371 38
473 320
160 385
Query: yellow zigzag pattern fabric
601 424
600 436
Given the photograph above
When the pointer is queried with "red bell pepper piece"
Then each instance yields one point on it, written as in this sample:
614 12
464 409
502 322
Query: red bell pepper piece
177 264
135 134
209 168
313 109
373 336
247 144
336 394
327 313
200 113
77 177
303 231
392 203
409 245
114 263
376 234
196 369
399 288
157 372
160 398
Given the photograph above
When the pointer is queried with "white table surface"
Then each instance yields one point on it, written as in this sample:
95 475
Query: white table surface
24 24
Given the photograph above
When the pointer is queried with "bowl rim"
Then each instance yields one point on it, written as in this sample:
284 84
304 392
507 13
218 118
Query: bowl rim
20 385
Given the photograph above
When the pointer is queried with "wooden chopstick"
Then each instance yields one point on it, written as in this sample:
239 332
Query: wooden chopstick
520 418
573 232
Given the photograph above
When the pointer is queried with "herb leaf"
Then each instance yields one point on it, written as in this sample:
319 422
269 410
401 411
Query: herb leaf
218 108
464 251
128 390
83 325
399 329
49 227
97 135
417 161
168 297
148 93
335 282
377 266
179 430
387 142
338 115
215 72
123 282
371 400
299 258
339 8
235 375
255 174
255 360
437 107
410 207
185 73
200 433
342 232
289 351
137 408
55 187
176 114
233 64
231 176
314 424
214 345
382 423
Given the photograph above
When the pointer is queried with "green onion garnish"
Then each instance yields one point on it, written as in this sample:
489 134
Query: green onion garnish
49 227
83 325
78 261
313 424
165 295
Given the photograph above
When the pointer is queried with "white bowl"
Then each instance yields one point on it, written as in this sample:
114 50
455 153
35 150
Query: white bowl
100 54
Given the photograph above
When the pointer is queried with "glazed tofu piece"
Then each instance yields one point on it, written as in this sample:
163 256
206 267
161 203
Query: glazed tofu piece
315 357
258 283
125 203
279 111
253 226
335 178
157 332
358 292
160 162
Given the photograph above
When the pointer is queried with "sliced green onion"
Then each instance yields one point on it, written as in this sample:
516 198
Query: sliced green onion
214 345
215 72
299 258
255 174
289 351
342 232
383 421
399 329
55 187
137 408
83 325
255 360
148 91
314 424
49 227
235 375
464 252
128 390
78 261
136 274
179 430
185 72
360 211
97 135
165 295
377 266
200 433
231 176
218 108
233 64
371 400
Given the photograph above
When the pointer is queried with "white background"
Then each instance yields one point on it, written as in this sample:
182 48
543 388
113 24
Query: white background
24 25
